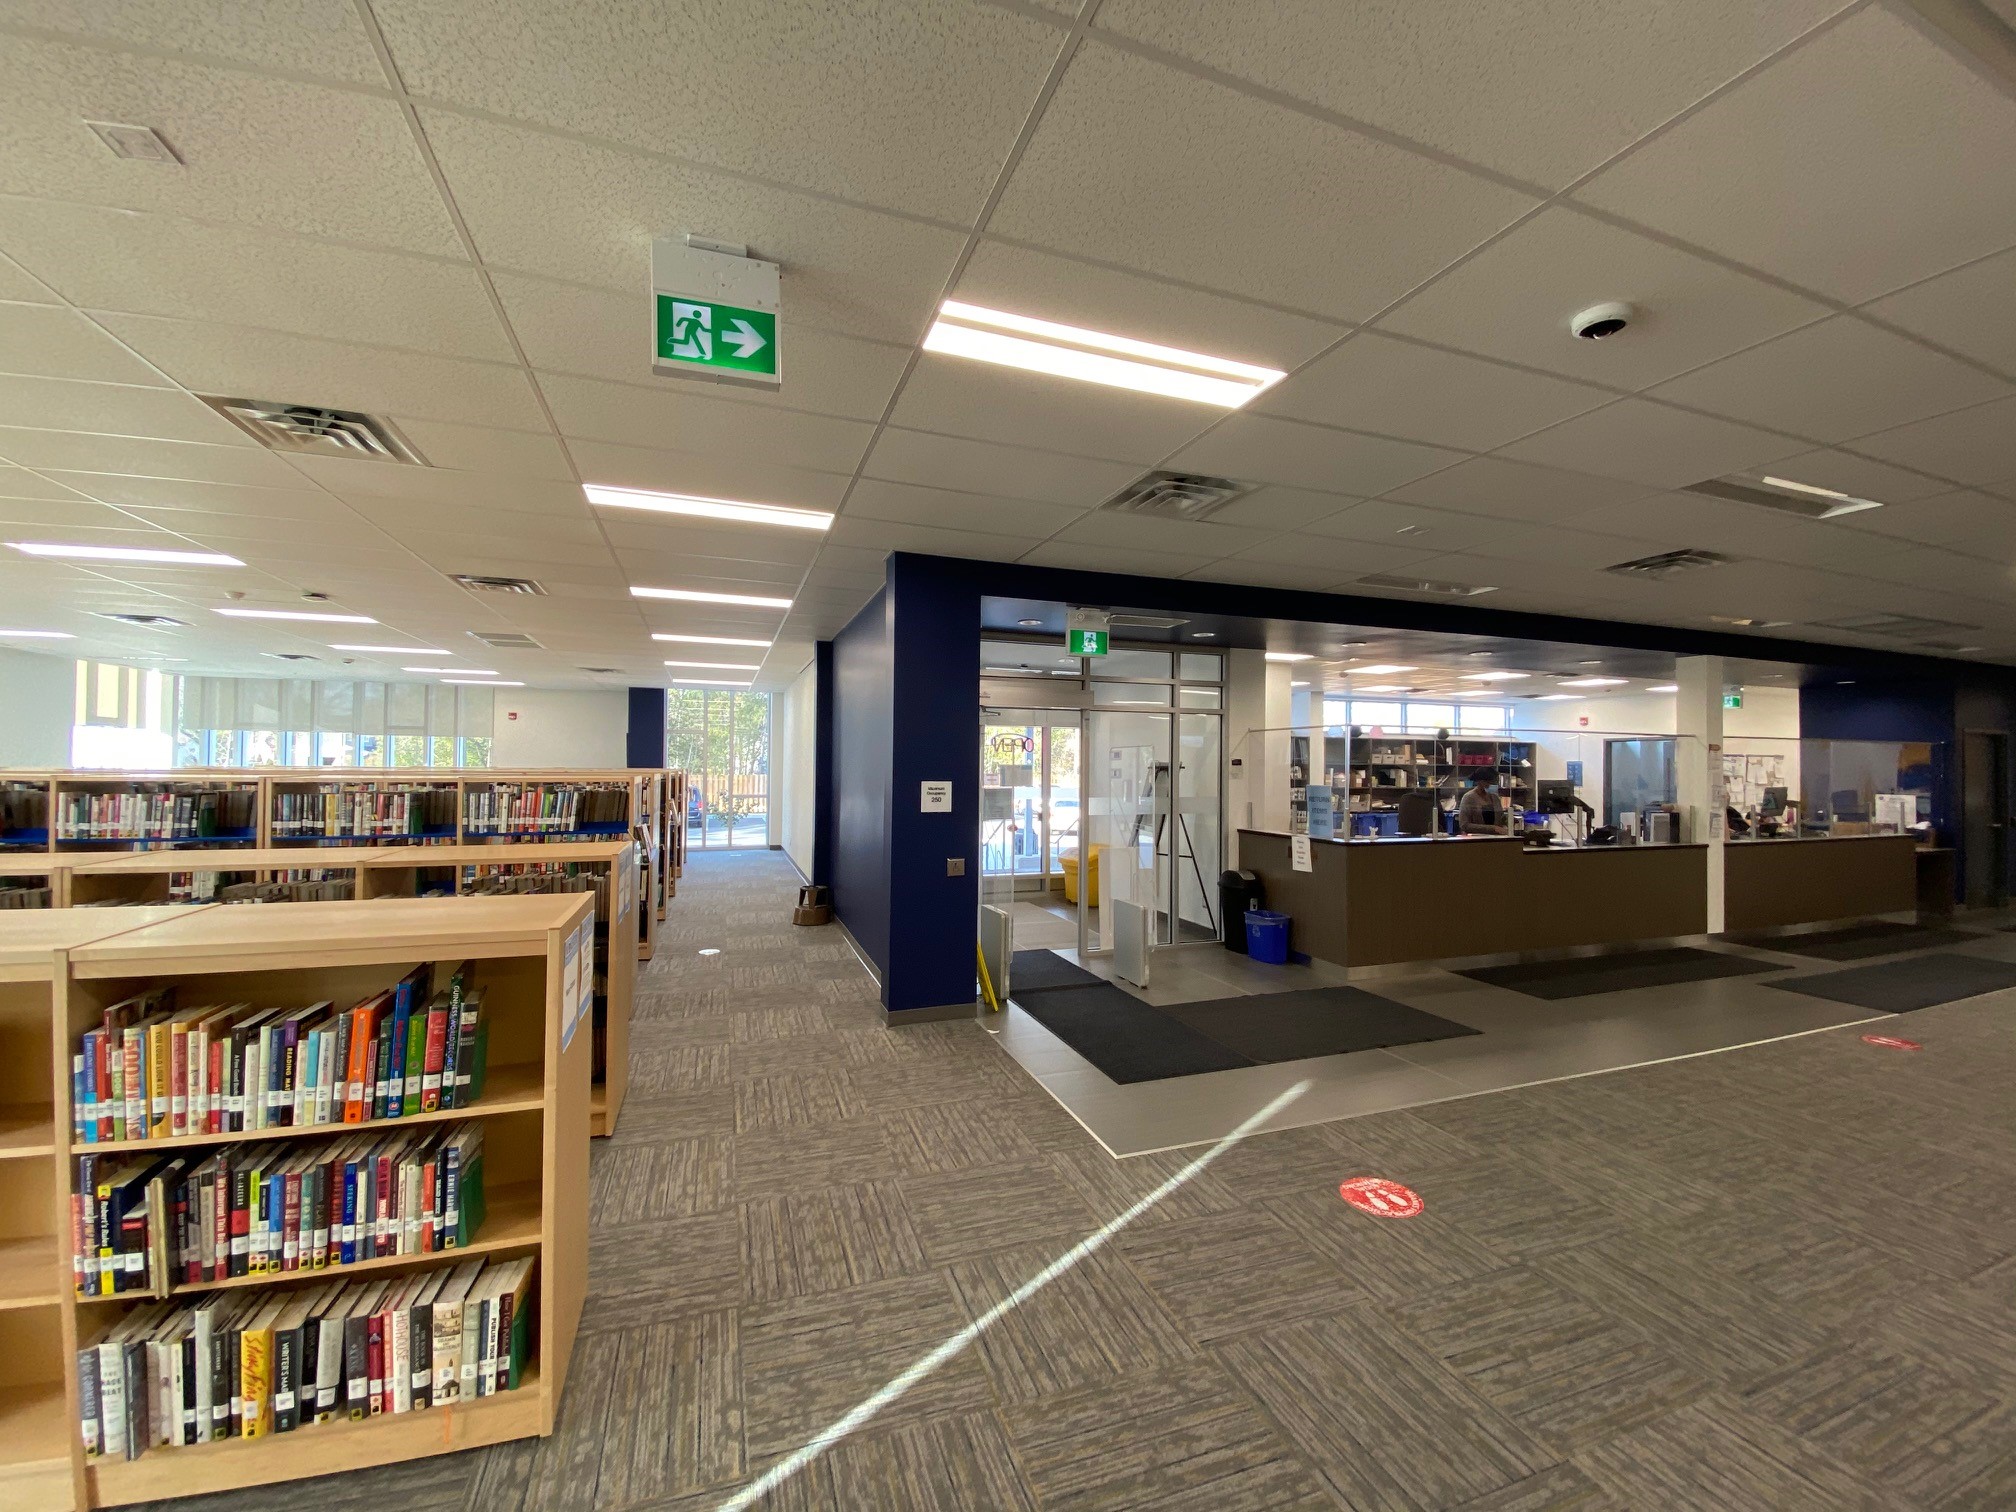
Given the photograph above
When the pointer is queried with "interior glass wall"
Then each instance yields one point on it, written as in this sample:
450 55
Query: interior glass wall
720 737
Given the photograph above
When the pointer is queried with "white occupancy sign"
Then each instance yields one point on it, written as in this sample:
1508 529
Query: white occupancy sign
936 798
716 314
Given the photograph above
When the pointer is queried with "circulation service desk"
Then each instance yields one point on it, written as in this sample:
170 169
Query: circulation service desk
1766 883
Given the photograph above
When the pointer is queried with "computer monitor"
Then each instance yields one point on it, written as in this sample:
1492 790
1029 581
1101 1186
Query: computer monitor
1557 796
1775 799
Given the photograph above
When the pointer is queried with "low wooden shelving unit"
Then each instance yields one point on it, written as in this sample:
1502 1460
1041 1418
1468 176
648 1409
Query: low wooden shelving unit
200 876
60 969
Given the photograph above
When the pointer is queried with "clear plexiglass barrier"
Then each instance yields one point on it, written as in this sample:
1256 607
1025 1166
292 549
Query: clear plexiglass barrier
1790 789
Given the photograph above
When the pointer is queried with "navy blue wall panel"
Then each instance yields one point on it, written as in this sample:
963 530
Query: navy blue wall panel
644 743
862 738
822 763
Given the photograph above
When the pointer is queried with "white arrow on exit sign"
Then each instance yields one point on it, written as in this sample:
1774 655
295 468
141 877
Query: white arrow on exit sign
744 337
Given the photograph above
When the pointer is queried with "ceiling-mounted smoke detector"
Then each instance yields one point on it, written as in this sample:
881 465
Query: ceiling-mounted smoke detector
1800 499
480 583
1397 584
315 431
508 640
1669 563
1175 496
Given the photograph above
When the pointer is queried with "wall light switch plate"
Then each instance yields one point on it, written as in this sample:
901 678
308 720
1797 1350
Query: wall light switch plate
955 866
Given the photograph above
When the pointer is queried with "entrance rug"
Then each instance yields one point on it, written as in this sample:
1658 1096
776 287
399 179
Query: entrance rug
1856 942
1584 976
1283 1026
1906 986
1038 970
1124 1037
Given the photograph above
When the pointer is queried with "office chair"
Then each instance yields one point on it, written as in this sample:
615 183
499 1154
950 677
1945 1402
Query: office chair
1415 814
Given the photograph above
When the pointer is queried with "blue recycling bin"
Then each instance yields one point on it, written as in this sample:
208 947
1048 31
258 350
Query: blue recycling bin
1267 936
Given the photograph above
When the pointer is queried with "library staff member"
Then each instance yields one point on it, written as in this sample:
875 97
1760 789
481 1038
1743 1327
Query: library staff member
1479 813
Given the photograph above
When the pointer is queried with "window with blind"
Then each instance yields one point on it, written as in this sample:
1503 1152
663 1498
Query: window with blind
258 721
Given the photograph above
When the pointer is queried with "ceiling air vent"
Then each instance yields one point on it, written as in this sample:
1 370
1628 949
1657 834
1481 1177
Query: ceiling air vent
1175 496
477 583
1807 506
509 640
147 621
1747 622
1670 563
292 656
603 671
1396 584
311 431
1907 627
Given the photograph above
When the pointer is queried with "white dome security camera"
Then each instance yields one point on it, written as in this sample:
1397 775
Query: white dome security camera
1598 321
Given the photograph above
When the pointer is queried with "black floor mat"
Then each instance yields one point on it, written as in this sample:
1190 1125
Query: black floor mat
1906 986
1857 942
1282 1026
1584 976
1040 970
1124 1037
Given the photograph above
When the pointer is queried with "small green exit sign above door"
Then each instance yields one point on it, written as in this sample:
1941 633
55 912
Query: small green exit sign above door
724 337
1732 700
716 314
1086 642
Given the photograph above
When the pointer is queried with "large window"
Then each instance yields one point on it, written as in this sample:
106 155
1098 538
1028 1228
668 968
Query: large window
123 717
252 721
721 739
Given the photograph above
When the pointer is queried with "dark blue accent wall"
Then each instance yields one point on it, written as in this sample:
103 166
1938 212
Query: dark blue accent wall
861 743
644 744
822 763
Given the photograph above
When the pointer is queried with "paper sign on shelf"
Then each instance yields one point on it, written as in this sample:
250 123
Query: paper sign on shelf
570 989
587 954
1299 855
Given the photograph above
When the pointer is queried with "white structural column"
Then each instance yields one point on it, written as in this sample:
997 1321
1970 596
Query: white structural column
1698 766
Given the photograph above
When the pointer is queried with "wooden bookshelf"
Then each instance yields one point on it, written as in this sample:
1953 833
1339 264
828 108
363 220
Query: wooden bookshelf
38 1470
46 811
149 876
463 868
37 872
57 972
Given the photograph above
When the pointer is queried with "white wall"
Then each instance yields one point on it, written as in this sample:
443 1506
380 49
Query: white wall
560 727
793 758
38 704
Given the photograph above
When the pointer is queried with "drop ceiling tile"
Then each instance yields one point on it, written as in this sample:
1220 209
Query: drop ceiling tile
1514 301
1145 167
16 285
1832 380
1970 310
1643 442
887 535
257 364
1963 518
112 409
59 514
523 527
1544 92
1273 507
1130 560
19 483
1975 446
680 418
144 457
794 549
599 333
229 532
164 265
1026 281
487 449
729 574
1501 489
710 476
953 462
262 151
1259 448
1383 521
47 341
874 499
899 104
296 36
1341 558
959 397
853 559
571 210
1252 574
1419 393
1184 537
358 479
1860 476
1877 135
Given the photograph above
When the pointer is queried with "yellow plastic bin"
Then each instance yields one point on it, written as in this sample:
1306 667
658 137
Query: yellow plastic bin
1069 862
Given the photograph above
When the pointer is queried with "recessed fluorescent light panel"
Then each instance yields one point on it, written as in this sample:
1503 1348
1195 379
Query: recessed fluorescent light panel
1846 503
712 640
1592 682
1289 656
709 682
1665 688
719 666
126 554
1494 676
1384 688
695 596
705 508
1044 346
298 614
39 634
477 682
393 650
1380 669
1555 697
453 671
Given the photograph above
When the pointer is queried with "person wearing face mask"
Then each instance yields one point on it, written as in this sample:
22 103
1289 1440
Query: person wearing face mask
1480 813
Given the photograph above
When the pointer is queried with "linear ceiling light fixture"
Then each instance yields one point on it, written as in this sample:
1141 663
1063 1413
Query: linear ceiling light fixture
695 596
709 682
477 682
1379 669
712 640
705 508
1592 682
1290 656
39 634
126 554
1494 676
297 614
719 666
1044 346
392 650
1846 503
1664 688
453 671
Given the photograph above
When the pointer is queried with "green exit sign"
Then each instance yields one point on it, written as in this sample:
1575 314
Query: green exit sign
726 338
1086 642
1732 700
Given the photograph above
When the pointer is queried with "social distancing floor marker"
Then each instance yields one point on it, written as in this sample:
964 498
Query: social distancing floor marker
1381 1198
1891 1042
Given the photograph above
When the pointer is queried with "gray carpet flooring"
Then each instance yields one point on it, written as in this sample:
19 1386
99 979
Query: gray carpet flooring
1777 1278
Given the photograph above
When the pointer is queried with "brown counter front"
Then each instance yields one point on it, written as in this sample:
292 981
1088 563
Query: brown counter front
1772 882
1373 903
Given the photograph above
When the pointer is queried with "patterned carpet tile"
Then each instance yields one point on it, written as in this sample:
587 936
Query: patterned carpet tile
827 1239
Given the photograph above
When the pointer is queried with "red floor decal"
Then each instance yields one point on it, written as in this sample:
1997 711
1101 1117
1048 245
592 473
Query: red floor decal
1380 1197
1888 1042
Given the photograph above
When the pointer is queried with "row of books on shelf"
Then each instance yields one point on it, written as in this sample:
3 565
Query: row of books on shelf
155 1224
340 808
541 877
34 895
159 814
544 806
249 1364
151 1070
